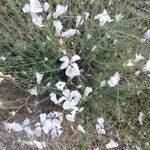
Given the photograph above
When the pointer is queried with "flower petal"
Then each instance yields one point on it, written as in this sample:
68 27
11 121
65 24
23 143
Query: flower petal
75 58
69 33
35 6
26 8
59 11
58 27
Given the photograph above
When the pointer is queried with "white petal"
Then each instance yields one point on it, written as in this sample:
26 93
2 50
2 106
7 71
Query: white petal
58 27
72 70
43 117
81 129
35 6
67 105
79 21
37 132
75 58
70 117
39 77
140 118
54 98
66 93
13 126
61 99
60 85
146 68
46 6
39 145
112 144
113 81
147 35
59 11
87 91
47 126
28 131
69 33
33 91
26 122
26 8
37 19
66 62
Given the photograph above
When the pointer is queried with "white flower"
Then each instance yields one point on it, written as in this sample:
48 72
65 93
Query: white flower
138 58
100 126
49 123
71 99
71 67
87 91
103 18
112 144
34 7
119 17
146 68
113 81
58 27
39 145
69 33
103 83
13 126
140 118
60 10
60 85
39 77
81 129
46 6
79 21
147 35
33 91
86 15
